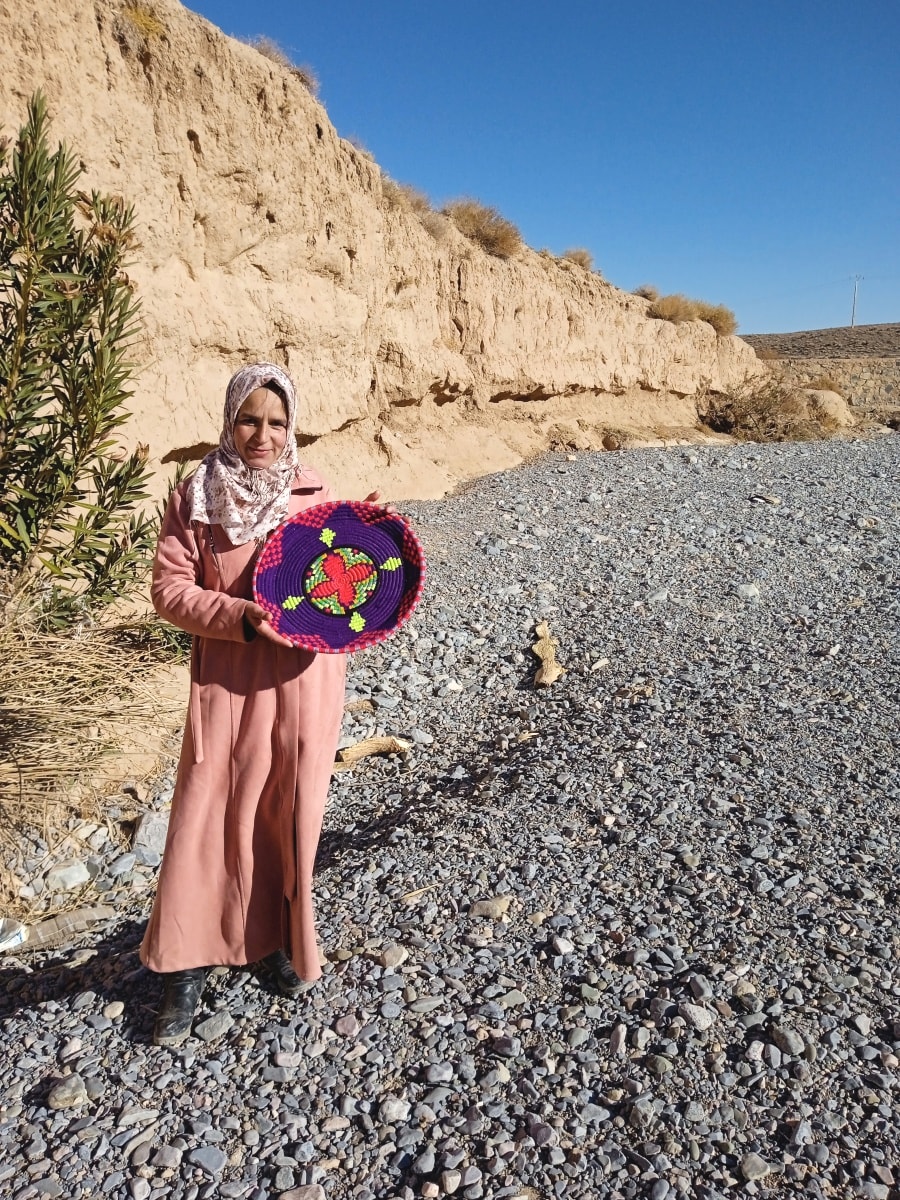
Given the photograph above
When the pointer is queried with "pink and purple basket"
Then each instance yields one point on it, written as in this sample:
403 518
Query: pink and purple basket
340 577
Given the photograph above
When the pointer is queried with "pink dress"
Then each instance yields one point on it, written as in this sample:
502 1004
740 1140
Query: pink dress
259 744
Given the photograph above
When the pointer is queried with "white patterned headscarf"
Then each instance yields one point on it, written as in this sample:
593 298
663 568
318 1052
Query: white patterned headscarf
247 502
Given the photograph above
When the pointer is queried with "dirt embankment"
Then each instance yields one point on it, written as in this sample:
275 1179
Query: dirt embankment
421 360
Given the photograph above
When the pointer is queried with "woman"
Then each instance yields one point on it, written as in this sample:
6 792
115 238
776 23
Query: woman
263 719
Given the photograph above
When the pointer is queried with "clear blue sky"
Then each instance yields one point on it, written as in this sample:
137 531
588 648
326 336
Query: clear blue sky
745 152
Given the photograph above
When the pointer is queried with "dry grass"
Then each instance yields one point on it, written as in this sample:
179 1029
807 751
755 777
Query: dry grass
274 53
823 383
360 146
143 20
579 256
675 308
484 226
678 308
72 714
770 411
722 319
647 291
405 197
767 353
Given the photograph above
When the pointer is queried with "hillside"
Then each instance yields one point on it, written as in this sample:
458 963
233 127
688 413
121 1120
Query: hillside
421 360
856 341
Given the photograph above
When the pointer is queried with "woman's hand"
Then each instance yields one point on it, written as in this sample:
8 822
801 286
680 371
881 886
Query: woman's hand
257 616
375 497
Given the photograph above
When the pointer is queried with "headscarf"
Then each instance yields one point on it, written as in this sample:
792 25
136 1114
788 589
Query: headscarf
247 502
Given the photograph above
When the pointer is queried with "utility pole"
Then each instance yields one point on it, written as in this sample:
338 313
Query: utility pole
856 279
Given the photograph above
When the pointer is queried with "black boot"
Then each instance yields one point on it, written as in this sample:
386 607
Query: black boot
285 978
181 996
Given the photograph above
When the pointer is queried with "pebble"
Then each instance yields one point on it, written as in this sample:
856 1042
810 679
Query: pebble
754 1167
68 1093
214 1027
210 1159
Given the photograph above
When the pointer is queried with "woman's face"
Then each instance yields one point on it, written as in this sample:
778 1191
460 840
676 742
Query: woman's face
260 430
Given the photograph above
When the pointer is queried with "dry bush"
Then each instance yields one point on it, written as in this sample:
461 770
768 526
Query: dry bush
360 147
405 197
722 319
436 224
823 383
647 291
71 709
579 256
676 308
274 53
143 20
767 353
484 226
767 411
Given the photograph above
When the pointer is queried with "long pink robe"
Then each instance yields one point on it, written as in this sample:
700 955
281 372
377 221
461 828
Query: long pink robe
259 743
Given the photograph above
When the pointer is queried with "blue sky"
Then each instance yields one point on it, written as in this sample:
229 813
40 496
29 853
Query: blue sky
745 152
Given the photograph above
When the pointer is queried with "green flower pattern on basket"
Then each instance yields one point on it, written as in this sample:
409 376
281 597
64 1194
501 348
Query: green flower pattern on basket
340 580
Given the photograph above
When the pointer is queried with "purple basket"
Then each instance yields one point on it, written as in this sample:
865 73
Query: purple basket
340 577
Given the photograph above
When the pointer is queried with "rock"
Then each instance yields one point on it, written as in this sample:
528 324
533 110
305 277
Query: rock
68 1093
150 832
214 1027
124 864
309 1191
210 1159
748 591
642 1115
754 1167
696 1016
450 1181
788 1041
494 908
167 1158
67 875
393 1110
392 957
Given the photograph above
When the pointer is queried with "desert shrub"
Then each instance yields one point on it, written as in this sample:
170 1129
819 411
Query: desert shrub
484 226
274 53
143 20
579 256
71 538
767 353
763 411
436 224
406 197
678 308
823 383
675 307
647 291
721 318
360 147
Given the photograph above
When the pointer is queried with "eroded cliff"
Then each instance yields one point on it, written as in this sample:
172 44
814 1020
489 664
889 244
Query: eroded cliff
420 359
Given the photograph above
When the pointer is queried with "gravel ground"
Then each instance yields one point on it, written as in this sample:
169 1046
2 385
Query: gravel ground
634 934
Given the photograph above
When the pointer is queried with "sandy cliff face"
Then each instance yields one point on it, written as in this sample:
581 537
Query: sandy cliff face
421 360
